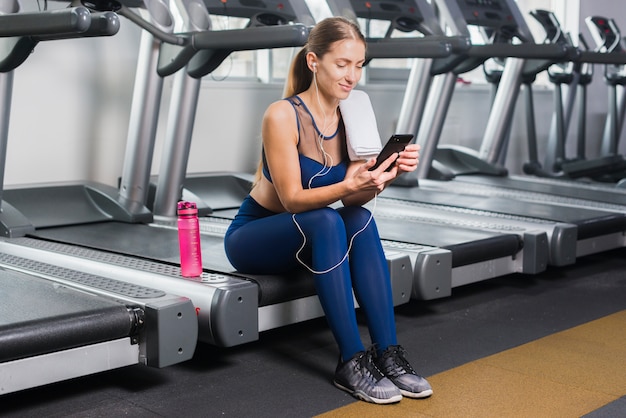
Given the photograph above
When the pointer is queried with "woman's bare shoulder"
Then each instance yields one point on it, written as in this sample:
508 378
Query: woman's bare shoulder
279 114
279 109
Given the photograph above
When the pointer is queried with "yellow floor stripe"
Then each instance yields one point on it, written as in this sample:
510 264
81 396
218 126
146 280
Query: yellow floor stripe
567 374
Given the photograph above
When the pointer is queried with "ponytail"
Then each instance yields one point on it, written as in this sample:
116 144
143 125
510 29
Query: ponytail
300 76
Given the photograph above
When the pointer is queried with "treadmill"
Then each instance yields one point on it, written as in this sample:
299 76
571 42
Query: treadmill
443 254
59 323
114 234
576 76
609 40
482 168
609 166
597 229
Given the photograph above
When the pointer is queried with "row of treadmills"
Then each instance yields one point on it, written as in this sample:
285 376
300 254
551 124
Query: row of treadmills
89 273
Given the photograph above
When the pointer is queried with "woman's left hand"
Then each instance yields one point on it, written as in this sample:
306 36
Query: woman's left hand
408 159
376 180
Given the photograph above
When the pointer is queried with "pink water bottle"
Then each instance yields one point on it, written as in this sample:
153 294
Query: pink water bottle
189 240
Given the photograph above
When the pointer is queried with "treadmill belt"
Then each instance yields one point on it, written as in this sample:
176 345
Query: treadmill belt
601 192
132 239
590 222
468 246
282 288
38 316
161 245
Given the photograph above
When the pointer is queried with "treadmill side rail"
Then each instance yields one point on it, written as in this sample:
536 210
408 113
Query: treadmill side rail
536 252
234 316
54 367
290 312
563 244
607 242
432 275
401 273
170 337
473 273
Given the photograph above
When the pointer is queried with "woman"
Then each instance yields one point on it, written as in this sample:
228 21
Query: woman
286 222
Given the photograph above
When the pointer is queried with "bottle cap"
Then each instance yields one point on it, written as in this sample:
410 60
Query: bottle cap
187 208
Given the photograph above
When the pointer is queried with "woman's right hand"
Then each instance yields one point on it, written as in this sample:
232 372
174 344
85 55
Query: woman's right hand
365 184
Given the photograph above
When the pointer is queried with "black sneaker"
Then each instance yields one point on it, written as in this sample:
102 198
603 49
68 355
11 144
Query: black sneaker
360 377
394 365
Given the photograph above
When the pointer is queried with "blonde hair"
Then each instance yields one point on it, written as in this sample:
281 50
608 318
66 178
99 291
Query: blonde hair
321 38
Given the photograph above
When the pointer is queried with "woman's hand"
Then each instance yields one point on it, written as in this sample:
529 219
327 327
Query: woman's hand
367 179
404 161
366 183
408 159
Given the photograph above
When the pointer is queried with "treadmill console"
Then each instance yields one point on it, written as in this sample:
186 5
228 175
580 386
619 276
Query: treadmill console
260 12
403 14
605 33
551 25
608 39
487 13
561 72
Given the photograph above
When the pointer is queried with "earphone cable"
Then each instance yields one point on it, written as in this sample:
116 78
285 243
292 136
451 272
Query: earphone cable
325 170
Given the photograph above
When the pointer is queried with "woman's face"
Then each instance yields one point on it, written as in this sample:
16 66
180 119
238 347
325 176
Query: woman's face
339 70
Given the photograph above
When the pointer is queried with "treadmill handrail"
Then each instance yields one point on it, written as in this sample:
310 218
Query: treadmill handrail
477 54
524 50
259 37
408 48
594 57
152 29
76 19
47 26
458 43
220 44
14 51
460 46
102 24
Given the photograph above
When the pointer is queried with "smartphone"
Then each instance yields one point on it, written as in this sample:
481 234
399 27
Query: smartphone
396 143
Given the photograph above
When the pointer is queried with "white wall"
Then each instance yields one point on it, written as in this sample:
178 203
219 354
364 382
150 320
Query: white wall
70 108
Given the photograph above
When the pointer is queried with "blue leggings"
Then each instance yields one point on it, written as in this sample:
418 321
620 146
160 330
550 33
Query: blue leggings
263 242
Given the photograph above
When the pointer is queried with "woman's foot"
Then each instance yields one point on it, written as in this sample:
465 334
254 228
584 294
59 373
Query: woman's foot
394 365
360 377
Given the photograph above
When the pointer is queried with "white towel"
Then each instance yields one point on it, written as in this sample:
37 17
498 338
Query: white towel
359 119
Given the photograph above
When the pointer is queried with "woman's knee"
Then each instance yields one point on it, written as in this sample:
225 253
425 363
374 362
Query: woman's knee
324 221
356 216
323 216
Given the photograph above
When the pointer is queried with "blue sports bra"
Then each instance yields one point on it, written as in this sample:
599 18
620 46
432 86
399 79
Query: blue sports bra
310 168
